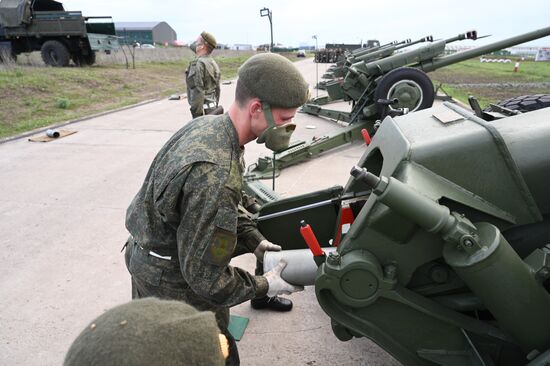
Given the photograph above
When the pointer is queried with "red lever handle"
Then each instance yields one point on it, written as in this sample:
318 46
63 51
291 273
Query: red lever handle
311 240
366 136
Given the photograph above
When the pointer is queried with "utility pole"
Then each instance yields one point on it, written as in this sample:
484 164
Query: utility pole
265 12
316 68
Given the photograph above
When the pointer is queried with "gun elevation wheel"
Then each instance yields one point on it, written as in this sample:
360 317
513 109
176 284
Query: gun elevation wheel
55 53
411 87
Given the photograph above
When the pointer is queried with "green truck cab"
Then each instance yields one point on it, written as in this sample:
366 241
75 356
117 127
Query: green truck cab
59 35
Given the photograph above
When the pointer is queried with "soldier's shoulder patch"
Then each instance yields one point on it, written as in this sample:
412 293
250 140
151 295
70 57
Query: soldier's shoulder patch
221 248
224 239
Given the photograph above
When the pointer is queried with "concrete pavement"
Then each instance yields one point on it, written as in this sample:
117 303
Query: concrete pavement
62 209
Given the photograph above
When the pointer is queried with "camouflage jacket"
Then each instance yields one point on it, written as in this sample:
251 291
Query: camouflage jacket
189 208
203 83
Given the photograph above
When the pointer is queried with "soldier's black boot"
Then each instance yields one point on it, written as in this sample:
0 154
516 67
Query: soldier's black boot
273 303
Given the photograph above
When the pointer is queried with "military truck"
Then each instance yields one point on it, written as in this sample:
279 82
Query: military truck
59 35
334 52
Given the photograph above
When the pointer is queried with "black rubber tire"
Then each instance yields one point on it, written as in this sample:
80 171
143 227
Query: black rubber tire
84 60
90 58
525 103
55 53
404 74
77 59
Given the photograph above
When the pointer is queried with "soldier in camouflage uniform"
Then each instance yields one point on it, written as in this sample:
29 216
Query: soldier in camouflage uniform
203 77
187 221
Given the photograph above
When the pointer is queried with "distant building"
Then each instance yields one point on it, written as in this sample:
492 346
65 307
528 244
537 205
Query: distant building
306 46
241 47
145 32
524 51
543 54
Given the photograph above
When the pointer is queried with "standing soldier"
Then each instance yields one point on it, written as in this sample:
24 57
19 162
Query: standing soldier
187 222
203 77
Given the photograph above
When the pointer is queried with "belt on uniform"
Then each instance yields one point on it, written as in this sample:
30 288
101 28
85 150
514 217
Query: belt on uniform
209 105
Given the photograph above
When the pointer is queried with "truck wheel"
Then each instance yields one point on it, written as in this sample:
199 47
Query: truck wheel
412 88
55 53
525 103
77 59
89 59
84 60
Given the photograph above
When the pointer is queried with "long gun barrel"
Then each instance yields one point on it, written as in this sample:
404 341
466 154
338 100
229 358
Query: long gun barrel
360 51
462 36
435 64
372 54
428 58
428 52
425 39
363 51
387 51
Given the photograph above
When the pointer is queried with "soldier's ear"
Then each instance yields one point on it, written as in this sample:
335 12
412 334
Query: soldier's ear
255 106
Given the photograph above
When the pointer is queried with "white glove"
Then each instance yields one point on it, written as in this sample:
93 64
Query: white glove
265 246
278 286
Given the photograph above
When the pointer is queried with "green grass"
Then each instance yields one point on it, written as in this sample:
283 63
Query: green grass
34 97
40 96
492 82
462 95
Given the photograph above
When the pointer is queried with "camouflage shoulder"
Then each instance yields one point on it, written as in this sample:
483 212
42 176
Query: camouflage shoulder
203 140
207 60
193 63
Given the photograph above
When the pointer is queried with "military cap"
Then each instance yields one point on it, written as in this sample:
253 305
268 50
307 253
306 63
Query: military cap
275 80
209 38
149 332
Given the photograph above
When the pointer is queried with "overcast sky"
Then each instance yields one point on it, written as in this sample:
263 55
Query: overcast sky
296 21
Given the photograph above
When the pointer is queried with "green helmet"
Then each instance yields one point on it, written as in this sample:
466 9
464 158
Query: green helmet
149 332
209 38
274 80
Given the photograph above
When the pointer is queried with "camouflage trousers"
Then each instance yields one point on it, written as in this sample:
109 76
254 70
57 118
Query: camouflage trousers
154 277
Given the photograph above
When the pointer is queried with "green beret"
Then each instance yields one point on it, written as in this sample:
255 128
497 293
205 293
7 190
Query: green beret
275 80
149 332
209 38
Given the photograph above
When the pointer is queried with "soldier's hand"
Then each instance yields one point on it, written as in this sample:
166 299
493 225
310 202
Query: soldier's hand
278 286
265 246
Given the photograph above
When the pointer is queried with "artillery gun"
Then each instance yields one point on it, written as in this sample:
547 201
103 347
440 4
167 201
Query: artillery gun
446 259
367 55
385 86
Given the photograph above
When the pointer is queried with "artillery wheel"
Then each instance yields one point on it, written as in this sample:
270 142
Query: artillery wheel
55 53
412 88
84 60
525 103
